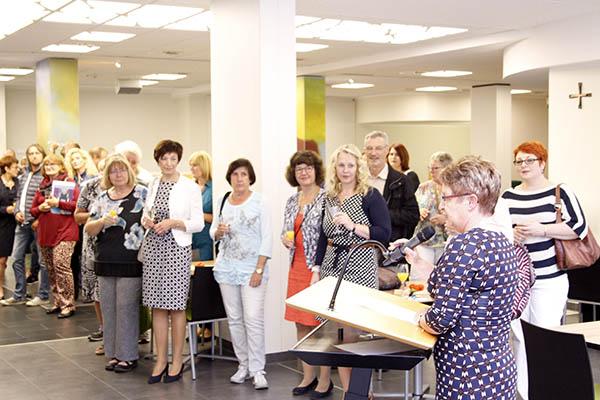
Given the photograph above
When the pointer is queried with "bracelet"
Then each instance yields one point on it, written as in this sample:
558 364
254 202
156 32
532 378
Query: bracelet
315 269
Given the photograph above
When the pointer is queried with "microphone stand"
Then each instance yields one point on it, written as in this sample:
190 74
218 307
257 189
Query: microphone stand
364 243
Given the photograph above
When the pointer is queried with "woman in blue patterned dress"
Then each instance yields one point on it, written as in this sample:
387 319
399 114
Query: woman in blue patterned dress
472 285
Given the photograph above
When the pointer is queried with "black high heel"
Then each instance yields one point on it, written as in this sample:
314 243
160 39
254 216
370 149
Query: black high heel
173 378
300 390
156 378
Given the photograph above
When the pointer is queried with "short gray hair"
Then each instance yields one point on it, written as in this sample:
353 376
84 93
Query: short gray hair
442 157
129 146
376 134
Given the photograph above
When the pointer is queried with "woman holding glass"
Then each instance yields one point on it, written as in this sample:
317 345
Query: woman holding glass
302 225
57 234
531 206
355 212
173 212
243 231
115 221
429 197
472 286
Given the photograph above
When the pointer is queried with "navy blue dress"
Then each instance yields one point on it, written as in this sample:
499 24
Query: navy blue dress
473 286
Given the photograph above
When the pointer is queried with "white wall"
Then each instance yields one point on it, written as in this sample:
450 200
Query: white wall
573 138
107 119
340 127
529 123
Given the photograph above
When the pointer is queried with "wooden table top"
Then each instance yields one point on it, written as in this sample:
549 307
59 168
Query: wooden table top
590 330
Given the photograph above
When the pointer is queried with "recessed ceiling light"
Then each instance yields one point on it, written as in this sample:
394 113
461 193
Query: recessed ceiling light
352 85
306 47
164 77
155 16
96 36
15 71
435 89
145 82
70 48
519 91
6 78
118 64
446 73
200 22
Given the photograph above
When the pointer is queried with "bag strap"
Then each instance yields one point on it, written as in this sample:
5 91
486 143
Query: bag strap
223 204
558 205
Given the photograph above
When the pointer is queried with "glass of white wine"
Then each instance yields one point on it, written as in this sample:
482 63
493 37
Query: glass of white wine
332 210
403 275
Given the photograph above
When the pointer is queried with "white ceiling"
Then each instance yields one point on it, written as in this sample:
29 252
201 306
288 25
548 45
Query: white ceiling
392 68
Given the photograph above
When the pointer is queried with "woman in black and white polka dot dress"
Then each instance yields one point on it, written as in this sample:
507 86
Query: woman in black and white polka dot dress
362 214
173 212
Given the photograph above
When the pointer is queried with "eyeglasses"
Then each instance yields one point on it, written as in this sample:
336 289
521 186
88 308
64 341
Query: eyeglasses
528 161
377 148
118 171
434 168
307 169
451 196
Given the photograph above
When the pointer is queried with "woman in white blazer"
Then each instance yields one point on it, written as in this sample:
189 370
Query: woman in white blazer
173 212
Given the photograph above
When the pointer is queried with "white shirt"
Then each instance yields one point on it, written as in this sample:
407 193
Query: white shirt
378 182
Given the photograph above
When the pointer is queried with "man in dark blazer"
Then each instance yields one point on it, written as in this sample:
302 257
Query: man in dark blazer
393 185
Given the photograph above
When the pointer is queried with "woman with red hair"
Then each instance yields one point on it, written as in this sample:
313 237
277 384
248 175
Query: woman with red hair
532 208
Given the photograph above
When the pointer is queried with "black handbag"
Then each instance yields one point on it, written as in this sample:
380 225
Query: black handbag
220 215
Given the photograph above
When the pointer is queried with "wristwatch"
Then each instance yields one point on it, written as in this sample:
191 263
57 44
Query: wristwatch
259 271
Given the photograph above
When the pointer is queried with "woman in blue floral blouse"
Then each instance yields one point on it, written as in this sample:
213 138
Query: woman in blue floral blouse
115 220
472 286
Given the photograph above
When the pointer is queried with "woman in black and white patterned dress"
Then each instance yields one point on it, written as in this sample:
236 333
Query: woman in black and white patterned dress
172 213
362 215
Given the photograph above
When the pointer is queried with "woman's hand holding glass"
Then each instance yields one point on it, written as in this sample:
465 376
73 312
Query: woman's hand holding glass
222 230
343 219
288 239
148 219
110 218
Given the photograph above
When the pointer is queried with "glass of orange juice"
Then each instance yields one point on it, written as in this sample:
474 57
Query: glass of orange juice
290 235
403 275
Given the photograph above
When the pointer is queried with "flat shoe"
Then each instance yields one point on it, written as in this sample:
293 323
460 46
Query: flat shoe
299 390
110 366
320 395
126 367
99 351
66 314
54 310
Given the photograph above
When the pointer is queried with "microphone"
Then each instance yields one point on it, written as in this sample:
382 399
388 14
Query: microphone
397 255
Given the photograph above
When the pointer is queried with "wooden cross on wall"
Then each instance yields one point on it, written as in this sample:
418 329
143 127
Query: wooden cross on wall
580 96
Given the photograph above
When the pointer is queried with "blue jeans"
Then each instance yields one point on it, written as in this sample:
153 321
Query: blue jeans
24 237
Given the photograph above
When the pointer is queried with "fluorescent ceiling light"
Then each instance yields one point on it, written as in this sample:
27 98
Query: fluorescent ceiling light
519 91
446 73
435 89
352 85
200 22
306 47
164 77
145 82
6 78
15 71
155 16
96 36
360 31
70 48
16 15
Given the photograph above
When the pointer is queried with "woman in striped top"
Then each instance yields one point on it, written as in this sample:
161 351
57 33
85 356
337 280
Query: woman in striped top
531 206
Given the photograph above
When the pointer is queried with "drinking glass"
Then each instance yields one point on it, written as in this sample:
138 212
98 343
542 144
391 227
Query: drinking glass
403 275
332 210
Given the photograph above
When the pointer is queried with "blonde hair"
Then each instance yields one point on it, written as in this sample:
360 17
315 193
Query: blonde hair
53 159
109 163
334 186
203 160
90 167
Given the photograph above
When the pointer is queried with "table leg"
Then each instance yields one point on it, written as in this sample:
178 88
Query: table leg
360 382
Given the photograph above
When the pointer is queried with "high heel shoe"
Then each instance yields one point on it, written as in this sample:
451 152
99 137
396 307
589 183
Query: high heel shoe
173 378
156 378
320 395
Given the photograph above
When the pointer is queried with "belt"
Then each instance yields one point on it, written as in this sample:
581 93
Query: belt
329 243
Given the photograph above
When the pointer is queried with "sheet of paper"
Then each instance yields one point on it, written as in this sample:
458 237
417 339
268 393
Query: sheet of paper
374 347
387 309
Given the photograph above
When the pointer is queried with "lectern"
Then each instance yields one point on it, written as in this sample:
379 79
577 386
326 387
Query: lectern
371 311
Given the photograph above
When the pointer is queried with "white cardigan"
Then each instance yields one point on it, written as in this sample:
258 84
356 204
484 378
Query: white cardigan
185 204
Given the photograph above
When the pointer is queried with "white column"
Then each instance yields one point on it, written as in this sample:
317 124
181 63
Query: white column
573 139
491 126
253 92
3 135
